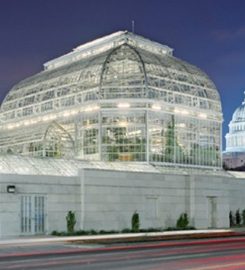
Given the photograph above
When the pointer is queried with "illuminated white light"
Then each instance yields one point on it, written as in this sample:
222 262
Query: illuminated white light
10 126
26 123
66 114
134 132
184 112
156 107
96 107
123 123
45 118
182 125
53 116
73 112
92 108
154 129
88 109
123 105
202 115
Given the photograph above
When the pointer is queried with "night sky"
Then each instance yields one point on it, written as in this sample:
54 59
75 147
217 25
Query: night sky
207 33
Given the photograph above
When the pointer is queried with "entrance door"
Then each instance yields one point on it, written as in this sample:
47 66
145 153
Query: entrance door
32 217
212 212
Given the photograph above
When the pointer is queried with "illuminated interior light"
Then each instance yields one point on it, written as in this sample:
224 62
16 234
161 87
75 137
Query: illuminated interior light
66 114
10 126
92 108
123 105
123 123
203 115
26 123
45 118
156 107
88 109
184 112
182 125
73 112
53 116
134 132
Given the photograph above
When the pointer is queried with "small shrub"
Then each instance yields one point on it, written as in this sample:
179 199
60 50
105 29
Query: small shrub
107 232
81 232
231 219
126 230
243 217
92 232
70 221
182 221
135 222
238 217
151 230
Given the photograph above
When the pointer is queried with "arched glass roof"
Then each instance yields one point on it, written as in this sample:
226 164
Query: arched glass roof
79 76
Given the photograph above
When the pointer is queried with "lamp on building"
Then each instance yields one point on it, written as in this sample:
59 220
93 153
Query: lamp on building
11 189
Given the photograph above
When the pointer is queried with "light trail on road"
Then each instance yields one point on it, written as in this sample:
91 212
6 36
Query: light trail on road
193 256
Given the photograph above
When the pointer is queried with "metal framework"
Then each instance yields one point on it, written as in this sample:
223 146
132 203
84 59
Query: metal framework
119 98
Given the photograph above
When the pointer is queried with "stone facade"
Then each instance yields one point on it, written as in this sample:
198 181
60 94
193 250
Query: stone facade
110 198
60 195
106 199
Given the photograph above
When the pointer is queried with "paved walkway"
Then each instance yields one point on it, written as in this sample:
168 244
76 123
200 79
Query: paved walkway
50 239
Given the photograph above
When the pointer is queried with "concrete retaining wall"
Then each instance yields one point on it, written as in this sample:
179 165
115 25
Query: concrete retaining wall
104 199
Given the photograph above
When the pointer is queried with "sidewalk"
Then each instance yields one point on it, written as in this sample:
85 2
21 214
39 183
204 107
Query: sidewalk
94 238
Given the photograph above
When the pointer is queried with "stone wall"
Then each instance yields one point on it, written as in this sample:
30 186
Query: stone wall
109 199
61 195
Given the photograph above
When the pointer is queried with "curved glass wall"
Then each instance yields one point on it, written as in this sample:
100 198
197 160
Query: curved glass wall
128 99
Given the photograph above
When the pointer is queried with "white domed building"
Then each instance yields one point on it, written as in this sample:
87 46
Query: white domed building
234 155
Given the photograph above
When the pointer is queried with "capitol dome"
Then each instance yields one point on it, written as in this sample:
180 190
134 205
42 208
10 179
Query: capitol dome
239 114
235 139
118 98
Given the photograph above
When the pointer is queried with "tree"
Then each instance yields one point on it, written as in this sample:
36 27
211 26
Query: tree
238 217
170 142
243 217
70 221
173 151
231 219
183 221
135 222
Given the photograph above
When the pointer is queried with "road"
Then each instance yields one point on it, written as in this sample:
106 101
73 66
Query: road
222 254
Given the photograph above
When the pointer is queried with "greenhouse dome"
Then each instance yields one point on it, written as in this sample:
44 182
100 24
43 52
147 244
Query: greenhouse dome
121 97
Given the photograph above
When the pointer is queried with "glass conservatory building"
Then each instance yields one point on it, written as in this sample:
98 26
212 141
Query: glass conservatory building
119 98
